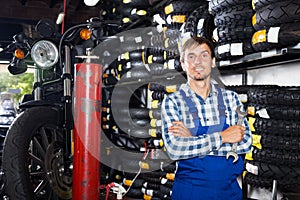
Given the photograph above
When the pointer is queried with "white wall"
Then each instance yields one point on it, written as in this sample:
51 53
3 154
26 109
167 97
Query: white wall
283 75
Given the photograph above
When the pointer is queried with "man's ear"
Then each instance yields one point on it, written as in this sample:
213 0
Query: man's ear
213 62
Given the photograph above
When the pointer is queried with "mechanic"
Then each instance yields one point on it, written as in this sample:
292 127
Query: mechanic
200 127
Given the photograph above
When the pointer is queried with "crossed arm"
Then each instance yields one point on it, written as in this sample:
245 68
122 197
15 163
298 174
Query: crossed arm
182 144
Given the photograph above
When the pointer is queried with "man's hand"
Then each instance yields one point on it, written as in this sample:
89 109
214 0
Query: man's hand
179 129
233 134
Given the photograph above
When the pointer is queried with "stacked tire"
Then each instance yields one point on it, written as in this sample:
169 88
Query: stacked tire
158 184
176 12
128 13
130 120
275 126
200 23
276 24
234 28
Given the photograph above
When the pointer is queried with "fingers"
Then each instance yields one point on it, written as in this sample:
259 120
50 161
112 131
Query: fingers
233 134
179 129
176 129
241 133
179 123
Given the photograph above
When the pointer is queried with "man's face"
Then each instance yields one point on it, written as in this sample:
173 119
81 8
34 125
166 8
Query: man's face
197 62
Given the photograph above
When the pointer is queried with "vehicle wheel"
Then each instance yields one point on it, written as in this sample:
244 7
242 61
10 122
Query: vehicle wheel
33 157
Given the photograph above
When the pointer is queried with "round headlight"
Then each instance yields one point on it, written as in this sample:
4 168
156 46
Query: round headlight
44 53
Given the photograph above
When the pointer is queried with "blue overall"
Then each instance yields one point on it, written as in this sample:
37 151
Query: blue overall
208 177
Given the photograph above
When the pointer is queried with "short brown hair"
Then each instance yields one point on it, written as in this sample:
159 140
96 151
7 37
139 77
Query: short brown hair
196 41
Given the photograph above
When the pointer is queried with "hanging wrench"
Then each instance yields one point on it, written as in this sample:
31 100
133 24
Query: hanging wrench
232 152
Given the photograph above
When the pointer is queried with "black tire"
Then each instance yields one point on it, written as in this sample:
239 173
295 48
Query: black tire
276 13
218 5
154 58
235 32
277 127
282 143
288 35
137 183
34 140
165 190
260 4
276 157
135 193
151 186
136 55
244 89
175 21
257 181
230 52
137 3
275 96
206 29
125 41
158 95
133 13
124 141
280 172
242 12
276 112
154 180
183 6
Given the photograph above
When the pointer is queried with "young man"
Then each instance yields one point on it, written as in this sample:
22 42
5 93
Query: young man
199 128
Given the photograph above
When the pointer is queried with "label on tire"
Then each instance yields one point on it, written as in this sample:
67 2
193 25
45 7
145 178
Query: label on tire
252 168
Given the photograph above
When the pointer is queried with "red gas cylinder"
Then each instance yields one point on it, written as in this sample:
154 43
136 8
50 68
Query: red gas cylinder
87 131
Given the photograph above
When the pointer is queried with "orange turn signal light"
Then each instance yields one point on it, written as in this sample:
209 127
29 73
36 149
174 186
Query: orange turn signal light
85 34
19 53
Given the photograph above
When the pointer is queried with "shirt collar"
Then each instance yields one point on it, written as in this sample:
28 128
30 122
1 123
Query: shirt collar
189 92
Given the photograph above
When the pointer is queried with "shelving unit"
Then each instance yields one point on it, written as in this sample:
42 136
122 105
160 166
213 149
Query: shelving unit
289 56
260 60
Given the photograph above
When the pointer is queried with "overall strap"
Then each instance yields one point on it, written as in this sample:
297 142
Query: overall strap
193 110
221 106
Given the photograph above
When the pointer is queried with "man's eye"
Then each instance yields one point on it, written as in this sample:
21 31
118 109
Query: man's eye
205 55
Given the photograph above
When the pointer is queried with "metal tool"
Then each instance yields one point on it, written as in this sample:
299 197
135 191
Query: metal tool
232 152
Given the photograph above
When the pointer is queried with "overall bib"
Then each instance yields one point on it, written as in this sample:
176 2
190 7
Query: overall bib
208 177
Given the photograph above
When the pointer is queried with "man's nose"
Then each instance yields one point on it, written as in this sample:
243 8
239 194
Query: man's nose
198 59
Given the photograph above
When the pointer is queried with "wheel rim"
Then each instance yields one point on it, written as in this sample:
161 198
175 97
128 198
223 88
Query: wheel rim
46 165
54 164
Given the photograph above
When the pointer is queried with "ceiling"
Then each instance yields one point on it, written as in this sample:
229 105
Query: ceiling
22 15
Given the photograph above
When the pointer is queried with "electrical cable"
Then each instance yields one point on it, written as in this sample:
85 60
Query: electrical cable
63 21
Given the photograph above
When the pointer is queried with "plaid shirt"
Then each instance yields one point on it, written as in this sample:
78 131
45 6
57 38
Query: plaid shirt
174 108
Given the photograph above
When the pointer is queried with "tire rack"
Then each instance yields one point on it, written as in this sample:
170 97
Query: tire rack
274 120
231 66
157 173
